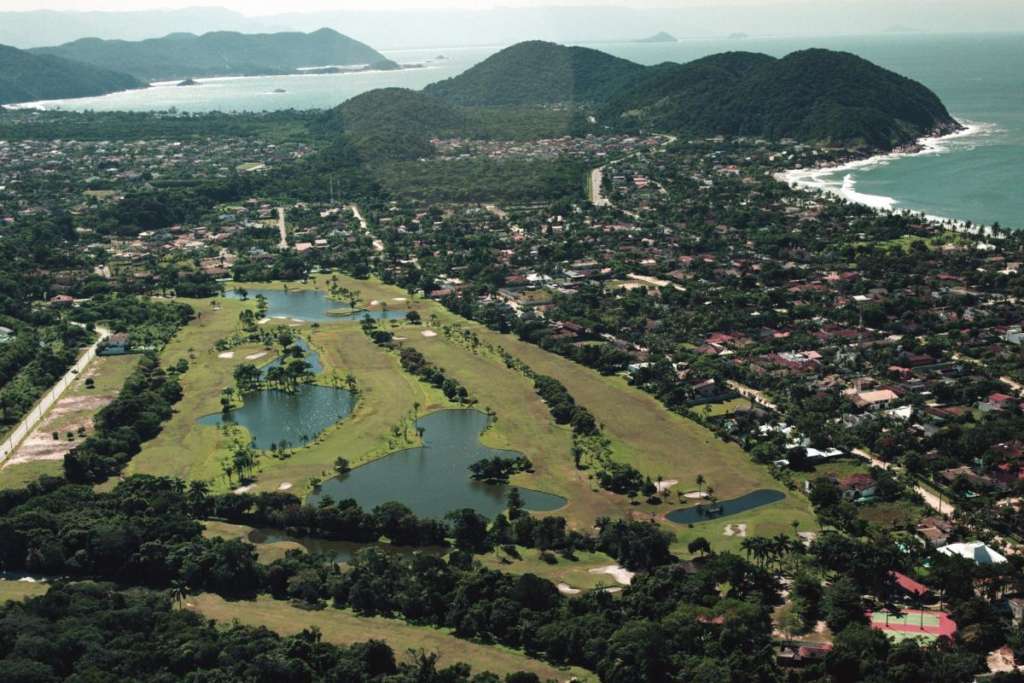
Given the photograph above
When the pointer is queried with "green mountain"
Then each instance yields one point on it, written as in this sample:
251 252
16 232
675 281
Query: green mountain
815 95
27 77
222 53
536 72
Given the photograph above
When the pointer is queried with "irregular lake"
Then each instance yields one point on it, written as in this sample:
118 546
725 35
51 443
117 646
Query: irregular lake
288 418
312 357
433 480
725 508
310 305
340 551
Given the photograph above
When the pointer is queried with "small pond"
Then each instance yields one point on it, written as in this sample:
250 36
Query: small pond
433 479
310 305
312 357
289 418
724 508
340 551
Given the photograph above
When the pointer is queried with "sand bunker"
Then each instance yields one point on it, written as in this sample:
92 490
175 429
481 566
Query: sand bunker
244 489
263 321
566 589
696 494
226 354
254 356
620 574
398 298
665 484
428 333
284 486
735 530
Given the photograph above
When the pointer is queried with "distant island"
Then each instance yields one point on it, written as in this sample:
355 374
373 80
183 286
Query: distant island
738 36
188 81
660 37
221 53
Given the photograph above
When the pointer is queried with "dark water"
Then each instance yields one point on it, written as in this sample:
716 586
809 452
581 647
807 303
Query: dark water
287 418
310 305
433 480
340 551
312 357
750 501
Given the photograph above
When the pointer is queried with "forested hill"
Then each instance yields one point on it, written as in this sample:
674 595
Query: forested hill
813 95
222 53
536 72
26 77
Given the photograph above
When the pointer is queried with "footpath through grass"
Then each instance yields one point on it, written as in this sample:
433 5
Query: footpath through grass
343 627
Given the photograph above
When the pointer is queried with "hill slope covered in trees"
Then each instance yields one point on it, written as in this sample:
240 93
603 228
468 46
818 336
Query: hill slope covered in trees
26 77
812 95
536 72
221 53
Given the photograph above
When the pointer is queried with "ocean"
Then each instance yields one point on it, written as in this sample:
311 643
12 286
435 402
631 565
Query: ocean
977 177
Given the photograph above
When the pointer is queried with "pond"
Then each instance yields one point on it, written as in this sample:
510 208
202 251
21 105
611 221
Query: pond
311 356
725 508
310 305
287 418
433 479
339 551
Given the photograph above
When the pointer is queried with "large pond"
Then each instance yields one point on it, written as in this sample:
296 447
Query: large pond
725 508
288 418
340 551
310 305
433 479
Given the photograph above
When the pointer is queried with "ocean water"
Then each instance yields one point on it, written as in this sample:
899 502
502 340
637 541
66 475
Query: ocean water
976 177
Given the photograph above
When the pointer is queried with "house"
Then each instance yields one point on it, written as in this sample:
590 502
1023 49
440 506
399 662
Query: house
61 301
858 486
977 551
114 345
935 530
873 399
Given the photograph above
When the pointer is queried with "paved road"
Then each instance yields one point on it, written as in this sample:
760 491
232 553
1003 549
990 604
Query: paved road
597 197
750 392
34 416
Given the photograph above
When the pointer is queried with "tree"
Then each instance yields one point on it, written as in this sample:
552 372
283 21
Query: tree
468 529
341 466
699 545
842 605
700 485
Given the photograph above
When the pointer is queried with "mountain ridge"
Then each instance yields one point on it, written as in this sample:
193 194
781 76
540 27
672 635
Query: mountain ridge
219 53
27 77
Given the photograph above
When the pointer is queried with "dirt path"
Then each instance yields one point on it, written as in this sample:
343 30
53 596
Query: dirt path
933 501
378 245
283 243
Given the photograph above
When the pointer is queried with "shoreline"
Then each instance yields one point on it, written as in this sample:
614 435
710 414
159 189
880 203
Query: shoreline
820 179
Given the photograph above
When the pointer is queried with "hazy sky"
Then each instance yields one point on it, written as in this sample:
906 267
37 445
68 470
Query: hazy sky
263 7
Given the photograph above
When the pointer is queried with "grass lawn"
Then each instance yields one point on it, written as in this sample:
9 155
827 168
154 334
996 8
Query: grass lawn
21 590
343 627
19 475
267 552
886 515
839 469
724 408
575 573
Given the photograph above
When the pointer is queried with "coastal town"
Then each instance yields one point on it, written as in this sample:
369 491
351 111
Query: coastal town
518 389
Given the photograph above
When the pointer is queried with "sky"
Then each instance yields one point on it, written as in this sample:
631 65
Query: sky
266 7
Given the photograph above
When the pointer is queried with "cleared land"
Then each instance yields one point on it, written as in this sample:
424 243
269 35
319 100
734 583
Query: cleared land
343 627
576 574
40 453
266 552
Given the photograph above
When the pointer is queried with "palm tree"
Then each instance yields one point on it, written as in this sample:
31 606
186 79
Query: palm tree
178 592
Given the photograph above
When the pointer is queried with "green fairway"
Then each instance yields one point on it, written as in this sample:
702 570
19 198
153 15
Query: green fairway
576 574
343 627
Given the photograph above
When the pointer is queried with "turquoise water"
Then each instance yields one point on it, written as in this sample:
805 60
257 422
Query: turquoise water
979 77
725 508
433 480
310 305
